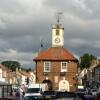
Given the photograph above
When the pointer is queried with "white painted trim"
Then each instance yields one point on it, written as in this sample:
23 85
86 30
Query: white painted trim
48 66
64 70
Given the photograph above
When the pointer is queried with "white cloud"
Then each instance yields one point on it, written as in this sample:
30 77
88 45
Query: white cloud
23 22
77 42
96 44
2 25
22 57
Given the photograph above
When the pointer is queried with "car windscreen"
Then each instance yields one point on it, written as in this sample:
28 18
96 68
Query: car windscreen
28 98
49 93
33 90
94 90
66 94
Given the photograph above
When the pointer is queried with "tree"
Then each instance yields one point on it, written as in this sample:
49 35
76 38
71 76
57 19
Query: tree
85 60
29 69
11 65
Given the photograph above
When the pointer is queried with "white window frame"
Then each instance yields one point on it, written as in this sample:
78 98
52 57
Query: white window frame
49 66
62 69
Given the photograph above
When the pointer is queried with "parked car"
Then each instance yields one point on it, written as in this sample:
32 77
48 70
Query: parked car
94 91
88 97
67 96
80 95
33 98
36 89
49 95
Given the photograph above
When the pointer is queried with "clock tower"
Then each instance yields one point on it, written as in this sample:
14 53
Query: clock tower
57 35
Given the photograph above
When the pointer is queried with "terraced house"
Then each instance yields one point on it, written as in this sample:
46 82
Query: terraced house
56 66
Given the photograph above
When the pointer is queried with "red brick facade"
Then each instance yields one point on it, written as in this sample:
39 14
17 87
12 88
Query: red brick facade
55 56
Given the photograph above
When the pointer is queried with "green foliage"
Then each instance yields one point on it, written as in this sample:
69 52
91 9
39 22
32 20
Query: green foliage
11 65
86 60
24 69
28 69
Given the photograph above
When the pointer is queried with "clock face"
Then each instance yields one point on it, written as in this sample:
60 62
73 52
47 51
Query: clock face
57 40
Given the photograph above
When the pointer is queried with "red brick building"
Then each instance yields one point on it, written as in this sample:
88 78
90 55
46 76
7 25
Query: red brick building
56 66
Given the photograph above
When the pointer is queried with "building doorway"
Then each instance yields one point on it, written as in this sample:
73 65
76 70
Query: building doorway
49 83
64 85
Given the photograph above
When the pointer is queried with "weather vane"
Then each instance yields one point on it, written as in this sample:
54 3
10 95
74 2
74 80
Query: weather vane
59 14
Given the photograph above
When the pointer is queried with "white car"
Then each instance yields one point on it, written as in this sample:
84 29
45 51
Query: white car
94 91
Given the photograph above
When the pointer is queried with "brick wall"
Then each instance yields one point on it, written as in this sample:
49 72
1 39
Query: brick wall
56 72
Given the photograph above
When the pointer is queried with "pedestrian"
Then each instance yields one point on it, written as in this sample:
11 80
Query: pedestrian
17 95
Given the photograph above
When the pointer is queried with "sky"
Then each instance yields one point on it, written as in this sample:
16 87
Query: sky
24 23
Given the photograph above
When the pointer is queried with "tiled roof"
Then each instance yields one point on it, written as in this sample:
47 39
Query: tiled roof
55 53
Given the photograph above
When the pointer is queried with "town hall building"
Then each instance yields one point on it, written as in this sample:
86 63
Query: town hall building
56 66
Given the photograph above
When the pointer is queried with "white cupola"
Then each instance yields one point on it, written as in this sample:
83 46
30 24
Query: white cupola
57 35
